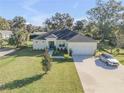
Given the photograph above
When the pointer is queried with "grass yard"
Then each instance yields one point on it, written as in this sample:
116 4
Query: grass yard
22 73
120 57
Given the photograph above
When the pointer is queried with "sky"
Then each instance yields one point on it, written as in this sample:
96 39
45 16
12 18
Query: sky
36 11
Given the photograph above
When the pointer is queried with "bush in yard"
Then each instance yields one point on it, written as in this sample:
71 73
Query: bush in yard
12 41
65 50
58 53
58 49
70 52
67 57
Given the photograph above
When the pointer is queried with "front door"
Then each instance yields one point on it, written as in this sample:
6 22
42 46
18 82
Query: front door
51 44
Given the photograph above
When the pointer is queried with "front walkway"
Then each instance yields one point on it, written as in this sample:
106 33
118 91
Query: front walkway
5 51
96 77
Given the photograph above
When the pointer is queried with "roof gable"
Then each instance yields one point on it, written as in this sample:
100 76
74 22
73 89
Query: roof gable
51 36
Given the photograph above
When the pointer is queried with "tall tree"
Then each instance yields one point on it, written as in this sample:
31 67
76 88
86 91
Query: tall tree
29 29
10 24
105 15
18 22
4 25
120 32
20 37
59 21
19 31
80 25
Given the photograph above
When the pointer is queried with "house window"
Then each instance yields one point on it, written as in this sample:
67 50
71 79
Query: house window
61 45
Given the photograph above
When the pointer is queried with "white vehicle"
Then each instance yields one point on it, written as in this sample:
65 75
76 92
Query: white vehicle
109 60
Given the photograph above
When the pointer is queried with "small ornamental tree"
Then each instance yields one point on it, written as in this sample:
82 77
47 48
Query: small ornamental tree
46 62
44 65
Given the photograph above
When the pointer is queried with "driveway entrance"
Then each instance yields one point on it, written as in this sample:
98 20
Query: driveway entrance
96 77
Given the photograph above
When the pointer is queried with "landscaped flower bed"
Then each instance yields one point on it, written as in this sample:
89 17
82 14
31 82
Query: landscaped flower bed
58 53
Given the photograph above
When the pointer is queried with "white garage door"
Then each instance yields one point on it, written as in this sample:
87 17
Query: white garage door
82 48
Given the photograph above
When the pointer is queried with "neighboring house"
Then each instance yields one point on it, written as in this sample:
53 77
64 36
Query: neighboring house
77 43
6 34
35 34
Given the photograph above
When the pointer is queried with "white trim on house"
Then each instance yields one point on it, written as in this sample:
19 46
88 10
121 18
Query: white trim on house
42 44
78 44
78 48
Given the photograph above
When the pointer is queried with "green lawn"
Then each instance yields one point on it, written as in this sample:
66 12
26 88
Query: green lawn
120 57
22 73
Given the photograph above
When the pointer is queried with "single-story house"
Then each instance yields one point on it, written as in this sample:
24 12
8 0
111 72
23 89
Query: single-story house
77 43
6 34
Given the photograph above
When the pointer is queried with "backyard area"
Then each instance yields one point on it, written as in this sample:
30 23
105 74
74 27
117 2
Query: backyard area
22 72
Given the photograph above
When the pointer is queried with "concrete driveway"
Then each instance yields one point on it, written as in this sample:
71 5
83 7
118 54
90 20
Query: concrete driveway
96 77
5 51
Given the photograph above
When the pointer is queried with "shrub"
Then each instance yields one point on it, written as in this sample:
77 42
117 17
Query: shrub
58 53
65 51
67 57
70 52
12 41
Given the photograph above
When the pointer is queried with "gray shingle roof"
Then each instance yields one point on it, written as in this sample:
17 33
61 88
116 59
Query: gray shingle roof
66 34
81 38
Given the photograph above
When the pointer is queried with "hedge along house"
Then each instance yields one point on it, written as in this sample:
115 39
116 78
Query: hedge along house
66 39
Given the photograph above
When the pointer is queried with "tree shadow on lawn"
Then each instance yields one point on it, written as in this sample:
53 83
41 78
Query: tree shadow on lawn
24 52
28 52
21 83
103 65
